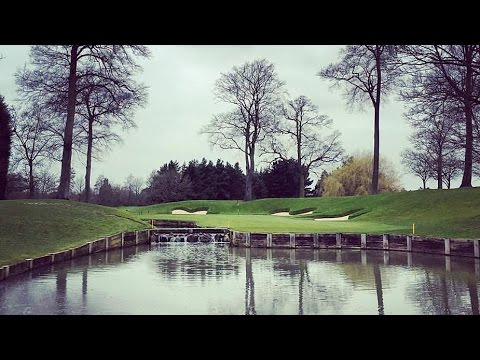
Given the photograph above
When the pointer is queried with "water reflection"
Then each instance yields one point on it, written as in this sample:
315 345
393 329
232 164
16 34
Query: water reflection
217 279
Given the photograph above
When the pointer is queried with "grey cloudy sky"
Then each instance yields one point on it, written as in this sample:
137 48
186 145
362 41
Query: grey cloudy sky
181 80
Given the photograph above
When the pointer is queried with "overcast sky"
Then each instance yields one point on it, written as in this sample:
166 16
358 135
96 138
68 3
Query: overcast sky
181 80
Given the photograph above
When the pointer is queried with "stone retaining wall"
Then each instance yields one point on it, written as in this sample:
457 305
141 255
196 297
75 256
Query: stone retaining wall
442 246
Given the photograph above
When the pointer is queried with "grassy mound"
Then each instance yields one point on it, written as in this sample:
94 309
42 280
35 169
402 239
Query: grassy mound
30 228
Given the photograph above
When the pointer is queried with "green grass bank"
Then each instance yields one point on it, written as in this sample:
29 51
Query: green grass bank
30 228
441 213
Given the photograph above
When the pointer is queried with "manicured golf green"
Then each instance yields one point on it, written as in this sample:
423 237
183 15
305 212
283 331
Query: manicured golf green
30 228
443 213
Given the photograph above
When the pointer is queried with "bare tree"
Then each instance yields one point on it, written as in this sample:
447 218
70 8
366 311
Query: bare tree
105 103
437 121
458 69
32 141
418 163
79 187
367 71
54 82
452 167
254 89
303 125
45 182
134 184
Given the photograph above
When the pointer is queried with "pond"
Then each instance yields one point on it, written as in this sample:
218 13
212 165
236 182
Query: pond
182 278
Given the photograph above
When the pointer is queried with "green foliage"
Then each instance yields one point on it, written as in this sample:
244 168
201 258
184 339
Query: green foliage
5 143
355 175
215 182
280 180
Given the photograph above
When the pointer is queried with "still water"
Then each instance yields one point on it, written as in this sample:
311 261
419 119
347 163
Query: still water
216 279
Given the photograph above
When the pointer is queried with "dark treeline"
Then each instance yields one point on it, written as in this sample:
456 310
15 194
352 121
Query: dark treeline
197 180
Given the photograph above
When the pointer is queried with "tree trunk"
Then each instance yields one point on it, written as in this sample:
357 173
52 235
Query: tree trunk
88 169
248 178
64 186
467 170
301 189
251 171
376 131
424 184
439 173
301 173
31 185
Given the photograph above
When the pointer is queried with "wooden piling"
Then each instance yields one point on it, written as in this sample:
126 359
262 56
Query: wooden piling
30 263
363 241
385 241
315 241
269 240
338 240
447 246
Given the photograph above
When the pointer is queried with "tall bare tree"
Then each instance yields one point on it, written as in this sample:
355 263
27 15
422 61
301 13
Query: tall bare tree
458 73
303 126
254 89
418 163
54 82
33 142
5 143
105 103
133 185
45 182
437 120
367 72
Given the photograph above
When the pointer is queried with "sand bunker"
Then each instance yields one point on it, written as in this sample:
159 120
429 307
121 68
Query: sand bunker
342 218
285 213
183 212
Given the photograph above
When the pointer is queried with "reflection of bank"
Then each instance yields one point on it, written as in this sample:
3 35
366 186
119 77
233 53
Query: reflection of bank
59 288
373 271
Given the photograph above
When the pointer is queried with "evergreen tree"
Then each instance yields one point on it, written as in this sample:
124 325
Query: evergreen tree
5 143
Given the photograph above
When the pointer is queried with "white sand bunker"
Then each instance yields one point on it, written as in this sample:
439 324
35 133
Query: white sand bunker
183 212
285 213
342 218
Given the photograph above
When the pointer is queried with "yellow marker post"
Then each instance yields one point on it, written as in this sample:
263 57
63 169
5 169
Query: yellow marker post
413 228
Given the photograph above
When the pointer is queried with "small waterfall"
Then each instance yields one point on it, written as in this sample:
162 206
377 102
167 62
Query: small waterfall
192 238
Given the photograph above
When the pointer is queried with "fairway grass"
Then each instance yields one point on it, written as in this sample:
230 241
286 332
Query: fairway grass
441 213
275 224
31 228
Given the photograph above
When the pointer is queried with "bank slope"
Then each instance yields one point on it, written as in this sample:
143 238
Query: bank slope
30 228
